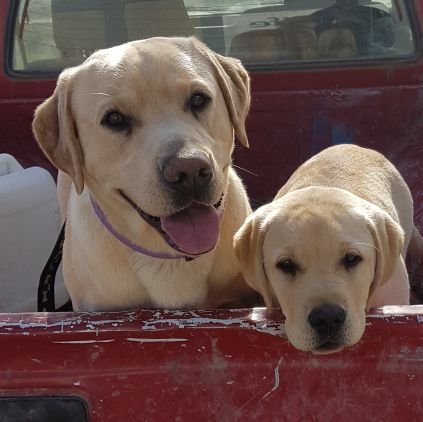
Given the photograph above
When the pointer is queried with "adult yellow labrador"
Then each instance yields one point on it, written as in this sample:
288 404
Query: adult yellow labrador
332 244
143 135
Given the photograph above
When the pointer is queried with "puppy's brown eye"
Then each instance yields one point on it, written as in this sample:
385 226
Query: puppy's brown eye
116 121
351 260
198 102
288 266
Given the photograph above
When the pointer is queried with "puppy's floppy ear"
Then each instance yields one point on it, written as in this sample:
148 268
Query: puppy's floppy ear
389 241
54 129
248 245
234 83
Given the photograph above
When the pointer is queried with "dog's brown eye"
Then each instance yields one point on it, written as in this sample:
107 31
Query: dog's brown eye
288 266
198 102
116 121
351 260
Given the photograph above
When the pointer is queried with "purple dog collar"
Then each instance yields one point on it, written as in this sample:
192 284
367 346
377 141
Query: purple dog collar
136 248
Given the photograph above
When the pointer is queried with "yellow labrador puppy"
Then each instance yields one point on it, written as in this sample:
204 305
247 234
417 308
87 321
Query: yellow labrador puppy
143 135
332 244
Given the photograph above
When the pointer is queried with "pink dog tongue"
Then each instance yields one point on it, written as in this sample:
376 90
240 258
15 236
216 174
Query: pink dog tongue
194 230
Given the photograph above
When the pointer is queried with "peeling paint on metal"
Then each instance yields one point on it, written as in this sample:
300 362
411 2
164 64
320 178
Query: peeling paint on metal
23 325
194 322
83 341
401 310
273 328
156 340
61 324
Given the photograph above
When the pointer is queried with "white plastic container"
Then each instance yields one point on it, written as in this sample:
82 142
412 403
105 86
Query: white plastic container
29 226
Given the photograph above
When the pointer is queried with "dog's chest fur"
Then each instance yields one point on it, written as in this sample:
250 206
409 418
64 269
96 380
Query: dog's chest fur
131 279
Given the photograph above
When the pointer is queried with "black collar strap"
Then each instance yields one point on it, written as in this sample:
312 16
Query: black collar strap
46 300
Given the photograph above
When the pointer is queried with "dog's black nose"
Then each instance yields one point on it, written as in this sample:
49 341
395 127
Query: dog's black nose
188 175
327 319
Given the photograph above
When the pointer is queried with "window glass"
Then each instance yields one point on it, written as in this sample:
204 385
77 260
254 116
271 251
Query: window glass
42 409
53 34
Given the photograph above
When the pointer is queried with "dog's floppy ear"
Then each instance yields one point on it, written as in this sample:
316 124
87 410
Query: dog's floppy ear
234 83
55 131
389 241
248 245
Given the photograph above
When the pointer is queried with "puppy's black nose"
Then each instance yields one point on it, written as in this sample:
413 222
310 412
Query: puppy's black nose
188 175
327 320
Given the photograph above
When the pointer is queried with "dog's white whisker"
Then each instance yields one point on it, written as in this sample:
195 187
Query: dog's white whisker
114 87
367 244
100 93
243 169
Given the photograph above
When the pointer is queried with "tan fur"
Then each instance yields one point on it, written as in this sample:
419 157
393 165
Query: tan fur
258 45
345 200
290 41
294 39
151 80
337 43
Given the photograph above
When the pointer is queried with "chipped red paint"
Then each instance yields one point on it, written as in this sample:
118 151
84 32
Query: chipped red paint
231 365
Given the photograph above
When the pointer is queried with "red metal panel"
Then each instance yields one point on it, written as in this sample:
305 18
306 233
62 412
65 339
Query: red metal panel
221 365
287 127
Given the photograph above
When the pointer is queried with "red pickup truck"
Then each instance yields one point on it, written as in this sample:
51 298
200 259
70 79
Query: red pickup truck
363 86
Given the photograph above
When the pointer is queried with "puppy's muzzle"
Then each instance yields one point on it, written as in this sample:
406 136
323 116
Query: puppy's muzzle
327 321
189 176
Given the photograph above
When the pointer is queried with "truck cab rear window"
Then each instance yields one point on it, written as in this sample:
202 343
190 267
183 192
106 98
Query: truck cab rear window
50 35
42 409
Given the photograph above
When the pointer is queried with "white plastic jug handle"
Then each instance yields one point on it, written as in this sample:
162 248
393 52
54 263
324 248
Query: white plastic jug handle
8 164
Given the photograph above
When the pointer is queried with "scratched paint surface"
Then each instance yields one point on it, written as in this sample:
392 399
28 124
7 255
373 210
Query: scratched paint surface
229 365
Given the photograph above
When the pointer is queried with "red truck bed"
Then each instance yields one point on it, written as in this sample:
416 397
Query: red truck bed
222 365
